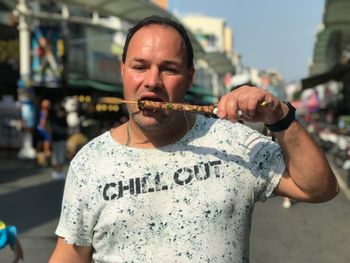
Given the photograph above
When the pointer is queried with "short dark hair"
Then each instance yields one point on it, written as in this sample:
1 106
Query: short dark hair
158 20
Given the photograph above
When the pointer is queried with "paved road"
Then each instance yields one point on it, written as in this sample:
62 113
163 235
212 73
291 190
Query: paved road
29 199
305 233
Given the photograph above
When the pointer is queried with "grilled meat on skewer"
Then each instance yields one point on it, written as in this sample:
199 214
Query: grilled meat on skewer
157 105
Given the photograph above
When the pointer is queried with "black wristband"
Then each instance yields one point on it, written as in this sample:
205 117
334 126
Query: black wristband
283 124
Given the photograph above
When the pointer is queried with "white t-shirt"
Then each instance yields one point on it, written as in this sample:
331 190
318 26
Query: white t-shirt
191 201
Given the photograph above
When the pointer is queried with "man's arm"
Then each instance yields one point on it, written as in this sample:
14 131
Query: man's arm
308 176
68 253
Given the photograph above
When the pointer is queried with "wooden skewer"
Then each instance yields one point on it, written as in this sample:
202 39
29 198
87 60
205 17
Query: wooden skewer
210 109
113 100
144 104
264 103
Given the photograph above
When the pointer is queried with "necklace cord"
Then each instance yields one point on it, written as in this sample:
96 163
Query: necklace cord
128 132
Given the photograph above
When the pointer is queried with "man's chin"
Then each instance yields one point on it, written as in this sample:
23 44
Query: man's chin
152 120
148 120
152 113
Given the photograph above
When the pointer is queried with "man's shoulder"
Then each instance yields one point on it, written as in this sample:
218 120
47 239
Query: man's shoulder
221 130
216 124
94 147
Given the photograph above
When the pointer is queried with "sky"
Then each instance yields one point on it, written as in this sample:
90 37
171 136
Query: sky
269 34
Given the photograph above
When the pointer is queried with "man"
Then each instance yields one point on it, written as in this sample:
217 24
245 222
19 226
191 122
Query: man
168 186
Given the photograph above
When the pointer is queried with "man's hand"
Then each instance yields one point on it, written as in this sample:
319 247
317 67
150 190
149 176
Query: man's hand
251 104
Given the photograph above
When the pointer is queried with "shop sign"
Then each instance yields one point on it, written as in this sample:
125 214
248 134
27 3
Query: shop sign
48 52
103 65
106 68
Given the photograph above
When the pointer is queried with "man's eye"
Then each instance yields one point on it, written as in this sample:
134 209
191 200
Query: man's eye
170 70
138 67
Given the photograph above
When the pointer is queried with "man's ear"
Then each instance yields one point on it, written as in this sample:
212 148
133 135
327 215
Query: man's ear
191 72
122 65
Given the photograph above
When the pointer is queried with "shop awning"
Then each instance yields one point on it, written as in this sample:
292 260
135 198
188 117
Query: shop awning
336 73
129 10
329 44
219 62
200 91
96 85
204 94
336 11
333 38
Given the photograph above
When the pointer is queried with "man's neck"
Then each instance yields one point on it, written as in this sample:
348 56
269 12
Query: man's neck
139 137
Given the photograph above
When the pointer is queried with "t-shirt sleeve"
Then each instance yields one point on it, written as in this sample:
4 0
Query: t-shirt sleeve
77 218
267 165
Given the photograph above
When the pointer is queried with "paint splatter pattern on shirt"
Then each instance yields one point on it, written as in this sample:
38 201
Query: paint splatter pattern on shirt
186 202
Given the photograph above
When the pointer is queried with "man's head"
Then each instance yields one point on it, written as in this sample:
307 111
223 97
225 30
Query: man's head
157 65
157 20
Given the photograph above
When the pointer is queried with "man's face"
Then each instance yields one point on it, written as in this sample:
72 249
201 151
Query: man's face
155 69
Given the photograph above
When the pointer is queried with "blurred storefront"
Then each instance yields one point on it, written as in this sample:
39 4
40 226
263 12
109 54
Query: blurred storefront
331 58
71 52
10 135
9 59
329 80
216 39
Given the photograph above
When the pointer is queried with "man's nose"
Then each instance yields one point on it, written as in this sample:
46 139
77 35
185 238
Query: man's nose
153 78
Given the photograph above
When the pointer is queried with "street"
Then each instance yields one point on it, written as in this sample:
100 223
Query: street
305 233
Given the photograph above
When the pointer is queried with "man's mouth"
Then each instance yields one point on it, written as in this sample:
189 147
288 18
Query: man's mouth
151 99
149 111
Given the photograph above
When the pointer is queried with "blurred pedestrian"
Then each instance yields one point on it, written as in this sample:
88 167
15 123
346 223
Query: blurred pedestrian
8 236
59 135
43 127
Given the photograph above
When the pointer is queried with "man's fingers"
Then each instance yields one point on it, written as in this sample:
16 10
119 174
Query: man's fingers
246 103
232 107
222 107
